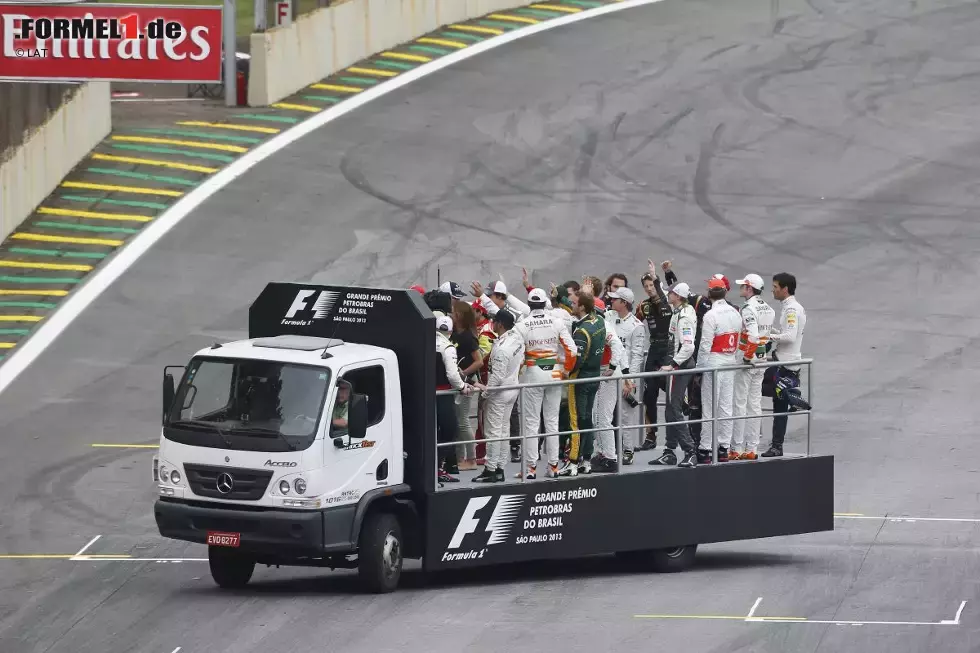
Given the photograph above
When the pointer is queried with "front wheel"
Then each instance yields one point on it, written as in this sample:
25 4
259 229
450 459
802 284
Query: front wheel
229 568
380 553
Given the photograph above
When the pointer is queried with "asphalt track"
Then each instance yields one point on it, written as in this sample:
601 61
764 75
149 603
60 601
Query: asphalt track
837 141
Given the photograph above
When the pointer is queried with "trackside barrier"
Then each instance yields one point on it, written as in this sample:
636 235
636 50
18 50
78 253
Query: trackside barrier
618 380
319 43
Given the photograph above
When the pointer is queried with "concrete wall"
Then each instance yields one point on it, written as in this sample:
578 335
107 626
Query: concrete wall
285 59
31 170
25 107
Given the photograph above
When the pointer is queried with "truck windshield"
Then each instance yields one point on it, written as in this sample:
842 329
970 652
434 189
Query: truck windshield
251 405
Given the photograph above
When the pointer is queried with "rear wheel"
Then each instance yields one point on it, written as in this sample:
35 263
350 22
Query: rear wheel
380 553
674 559
230 569
670 560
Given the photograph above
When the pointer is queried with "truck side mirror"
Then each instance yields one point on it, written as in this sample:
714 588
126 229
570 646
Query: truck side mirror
168 393
357 417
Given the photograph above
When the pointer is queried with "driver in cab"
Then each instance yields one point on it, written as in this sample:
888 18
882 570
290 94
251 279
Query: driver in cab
340 409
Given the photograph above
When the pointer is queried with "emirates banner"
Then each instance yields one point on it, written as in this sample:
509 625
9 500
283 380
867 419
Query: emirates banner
85 42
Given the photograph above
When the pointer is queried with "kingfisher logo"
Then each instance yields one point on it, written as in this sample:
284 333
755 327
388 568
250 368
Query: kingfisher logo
305 310
499 525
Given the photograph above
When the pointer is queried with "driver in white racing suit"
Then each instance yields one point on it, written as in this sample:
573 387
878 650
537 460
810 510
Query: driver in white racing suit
549 355
757 320
506 360
718 348
614 359
633 335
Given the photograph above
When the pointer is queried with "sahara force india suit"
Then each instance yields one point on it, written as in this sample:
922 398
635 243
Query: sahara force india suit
548 349
719 347
757 319
614 359
632 334
506 360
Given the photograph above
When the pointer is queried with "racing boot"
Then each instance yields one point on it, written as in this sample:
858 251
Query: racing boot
747 455
773 452
723 454
552 471
601 464
531 471
668 457
567 468
734 455
704 457
628 457
585 467
447 478
690 460
490 476
650 441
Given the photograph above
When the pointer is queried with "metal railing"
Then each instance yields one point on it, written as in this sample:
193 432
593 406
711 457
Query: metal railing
618 379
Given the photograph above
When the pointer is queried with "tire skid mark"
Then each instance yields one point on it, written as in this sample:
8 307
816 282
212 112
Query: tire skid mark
720 51
702 179
360 182
670 246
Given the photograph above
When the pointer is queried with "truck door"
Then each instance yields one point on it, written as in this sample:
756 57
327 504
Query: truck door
360 465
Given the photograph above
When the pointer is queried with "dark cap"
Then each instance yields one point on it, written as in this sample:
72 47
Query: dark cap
504 317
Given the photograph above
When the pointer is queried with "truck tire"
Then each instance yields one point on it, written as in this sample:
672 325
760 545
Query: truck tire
380 553
230 569
674 559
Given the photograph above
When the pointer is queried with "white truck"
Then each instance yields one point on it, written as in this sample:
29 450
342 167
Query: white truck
312 443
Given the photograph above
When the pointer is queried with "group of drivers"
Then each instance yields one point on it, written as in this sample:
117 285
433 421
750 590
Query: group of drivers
592 330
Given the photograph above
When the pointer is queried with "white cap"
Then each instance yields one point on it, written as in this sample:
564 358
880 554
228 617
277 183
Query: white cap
623 293
753 280
537 296
444 323
499 287
681 289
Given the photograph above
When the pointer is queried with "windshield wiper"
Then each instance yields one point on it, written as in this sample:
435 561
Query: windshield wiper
201 425
265 430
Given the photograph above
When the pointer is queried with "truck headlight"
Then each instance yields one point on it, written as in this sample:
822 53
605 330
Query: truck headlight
164 473
284 486
300 485
175 477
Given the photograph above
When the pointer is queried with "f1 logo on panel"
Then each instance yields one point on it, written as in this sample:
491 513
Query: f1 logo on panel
301 306
499 526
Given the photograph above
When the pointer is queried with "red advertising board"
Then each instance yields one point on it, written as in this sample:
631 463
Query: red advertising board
82 42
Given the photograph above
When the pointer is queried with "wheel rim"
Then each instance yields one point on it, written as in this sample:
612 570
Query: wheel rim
391 556
675 553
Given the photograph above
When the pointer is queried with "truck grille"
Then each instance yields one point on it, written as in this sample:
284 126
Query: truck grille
246 484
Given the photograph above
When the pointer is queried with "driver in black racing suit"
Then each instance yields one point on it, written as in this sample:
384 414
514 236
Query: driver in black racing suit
656 313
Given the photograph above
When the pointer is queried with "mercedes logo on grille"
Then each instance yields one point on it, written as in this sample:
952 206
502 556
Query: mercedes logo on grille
225 483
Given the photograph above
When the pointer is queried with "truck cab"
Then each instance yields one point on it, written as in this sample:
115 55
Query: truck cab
273 448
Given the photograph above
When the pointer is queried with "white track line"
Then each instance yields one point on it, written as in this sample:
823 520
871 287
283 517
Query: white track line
86 547
90 290
765 620
956 619
755 606
141 559
963 520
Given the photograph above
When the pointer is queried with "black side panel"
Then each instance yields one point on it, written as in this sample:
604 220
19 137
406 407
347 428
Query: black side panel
604 514
393 318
